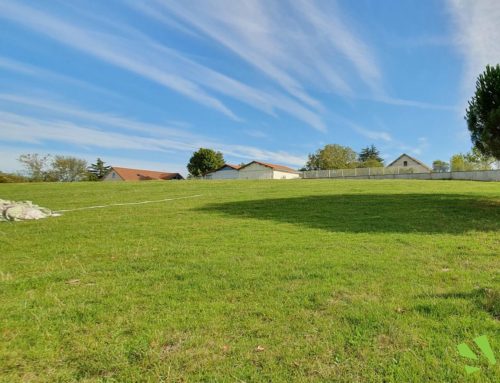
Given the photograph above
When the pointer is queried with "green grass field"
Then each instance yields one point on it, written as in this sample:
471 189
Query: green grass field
282 281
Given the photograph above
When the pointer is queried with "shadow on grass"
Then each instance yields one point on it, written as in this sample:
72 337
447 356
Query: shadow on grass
483 298
361 213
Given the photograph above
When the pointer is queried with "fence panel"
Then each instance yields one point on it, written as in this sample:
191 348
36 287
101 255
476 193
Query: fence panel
403 173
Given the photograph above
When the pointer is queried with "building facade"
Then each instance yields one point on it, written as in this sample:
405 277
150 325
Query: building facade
225 172
256 170
410 163
127 174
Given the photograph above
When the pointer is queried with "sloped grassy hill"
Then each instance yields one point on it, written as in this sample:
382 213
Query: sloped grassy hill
304 280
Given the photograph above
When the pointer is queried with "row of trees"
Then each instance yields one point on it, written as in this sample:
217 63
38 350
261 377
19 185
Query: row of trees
334 156
473 160
48 168
483 121
482 116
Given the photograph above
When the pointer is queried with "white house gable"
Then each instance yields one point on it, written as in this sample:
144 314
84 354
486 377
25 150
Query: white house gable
406 161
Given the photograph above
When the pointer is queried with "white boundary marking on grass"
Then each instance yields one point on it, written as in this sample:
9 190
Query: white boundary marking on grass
127 203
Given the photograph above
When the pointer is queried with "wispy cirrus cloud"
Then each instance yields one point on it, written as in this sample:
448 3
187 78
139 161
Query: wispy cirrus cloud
136 52
119 51
411 103
374 135
88 129
477 35
283 47
328 23
304 46
41 73
248 29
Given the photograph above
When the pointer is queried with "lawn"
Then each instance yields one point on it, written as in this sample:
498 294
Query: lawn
253 281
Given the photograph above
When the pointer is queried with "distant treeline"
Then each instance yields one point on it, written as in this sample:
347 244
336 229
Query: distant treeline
57 168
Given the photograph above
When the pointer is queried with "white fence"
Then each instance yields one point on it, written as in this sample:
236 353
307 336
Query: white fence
402 173
358 172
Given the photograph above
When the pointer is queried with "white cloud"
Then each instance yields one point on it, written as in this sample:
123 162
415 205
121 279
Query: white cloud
312 45
154 61
86 129
249 30
127 54
411 103
329 24
302 45
107 119
373 134
34 71
477 35
255 133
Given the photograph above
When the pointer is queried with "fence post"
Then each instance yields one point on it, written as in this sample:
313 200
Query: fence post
369 172
342 172
329 173
354 172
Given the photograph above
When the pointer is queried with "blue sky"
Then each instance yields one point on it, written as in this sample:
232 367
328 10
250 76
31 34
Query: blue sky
144 84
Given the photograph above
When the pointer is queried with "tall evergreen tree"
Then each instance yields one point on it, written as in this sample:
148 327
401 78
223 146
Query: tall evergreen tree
370 155
98 170
483 113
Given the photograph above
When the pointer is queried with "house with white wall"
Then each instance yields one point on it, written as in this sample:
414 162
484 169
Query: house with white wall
256 170
225 172
406 161
126 174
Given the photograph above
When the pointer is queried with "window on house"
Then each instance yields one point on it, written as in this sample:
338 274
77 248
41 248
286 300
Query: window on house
405 163
113 175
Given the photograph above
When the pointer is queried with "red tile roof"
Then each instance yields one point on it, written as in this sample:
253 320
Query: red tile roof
141 175
280 168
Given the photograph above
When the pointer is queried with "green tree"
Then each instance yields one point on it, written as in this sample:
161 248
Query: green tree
458 163
370 163
370 153
203 161
474 160
312 161
483 113
69 169
36 166
98 170
11 178
440 166
479 160
332 156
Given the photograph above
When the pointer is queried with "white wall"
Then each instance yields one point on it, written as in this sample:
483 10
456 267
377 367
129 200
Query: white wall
109 176
223 174
474 175
277 175
256 172
417 168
